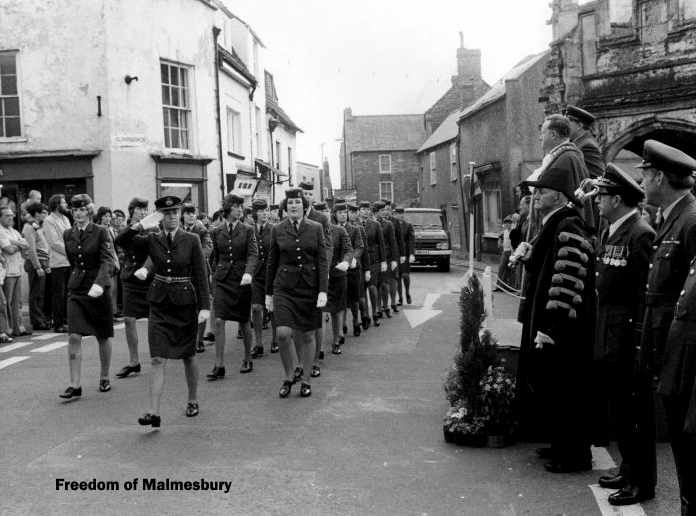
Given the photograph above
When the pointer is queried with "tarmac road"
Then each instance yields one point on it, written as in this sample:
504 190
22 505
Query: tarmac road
367 442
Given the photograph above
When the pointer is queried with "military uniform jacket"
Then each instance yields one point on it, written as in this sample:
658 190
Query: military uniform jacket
204 236
356 242
591 153
263 242
342 250
234 254
392 251
184 259
134 260
364 262
322 219
409 238
398 235
622 272
294 255
91 257
673 249
375 241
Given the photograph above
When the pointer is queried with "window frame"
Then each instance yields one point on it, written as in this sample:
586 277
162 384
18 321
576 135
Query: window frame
3 97
494 231
234 132
389 168
184 112
391 190
433 168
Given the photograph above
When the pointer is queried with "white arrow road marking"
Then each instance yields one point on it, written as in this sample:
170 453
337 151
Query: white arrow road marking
601 460
430 301
50 347
10 361
45 336
416 317
16 345
601 496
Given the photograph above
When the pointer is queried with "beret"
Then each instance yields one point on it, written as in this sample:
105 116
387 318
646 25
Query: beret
259 204
379 205
341 206
365 204
294 193
188 208
233 199
80 201
319 206
352 207
306 185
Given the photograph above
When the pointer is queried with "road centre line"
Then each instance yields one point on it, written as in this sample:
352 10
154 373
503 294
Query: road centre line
16 345
10 361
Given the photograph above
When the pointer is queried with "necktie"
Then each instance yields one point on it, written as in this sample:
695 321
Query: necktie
605 236
82 231
297 226
188 230
169 239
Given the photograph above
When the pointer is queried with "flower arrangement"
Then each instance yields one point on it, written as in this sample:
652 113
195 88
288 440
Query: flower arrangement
497 400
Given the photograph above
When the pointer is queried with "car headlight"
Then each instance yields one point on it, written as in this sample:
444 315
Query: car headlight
442 245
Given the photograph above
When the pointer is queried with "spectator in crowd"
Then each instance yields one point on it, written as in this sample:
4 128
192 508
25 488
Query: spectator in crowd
33 197
505 278
36 263
12 245
5 328
53 228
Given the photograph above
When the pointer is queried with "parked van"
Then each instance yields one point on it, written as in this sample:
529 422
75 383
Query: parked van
432 240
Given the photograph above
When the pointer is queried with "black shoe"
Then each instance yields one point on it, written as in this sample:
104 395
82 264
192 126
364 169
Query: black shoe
299 372
375 321
554 466
200 347
380 315
128 370
388 313
617 481
239 334
209 337
630 495
257 351
356 331
61 329
150 419
395 309
217 372
286 388
191 409
104 385
274 347
341 340
365 323
400 303
408 298
545 453
345 330
247 367
316 372
306 390
336 349
321 355
71 392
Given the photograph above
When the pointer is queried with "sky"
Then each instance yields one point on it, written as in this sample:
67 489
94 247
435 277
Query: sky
381 56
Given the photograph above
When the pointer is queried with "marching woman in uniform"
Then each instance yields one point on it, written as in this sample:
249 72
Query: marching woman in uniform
90 252
296 284
179 297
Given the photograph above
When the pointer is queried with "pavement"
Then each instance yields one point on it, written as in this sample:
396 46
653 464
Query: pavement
367 442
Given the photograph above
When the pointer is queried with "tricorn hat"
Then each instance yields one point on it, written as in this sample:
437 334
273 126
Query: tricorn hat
557 179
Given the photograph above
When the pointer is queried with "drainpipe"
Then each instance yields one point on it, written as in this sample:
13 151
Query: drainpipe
272 124
216 33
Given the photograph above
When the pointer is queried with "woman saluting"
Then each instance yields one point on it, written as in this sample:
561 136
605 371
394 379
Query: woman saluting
296 284
179 297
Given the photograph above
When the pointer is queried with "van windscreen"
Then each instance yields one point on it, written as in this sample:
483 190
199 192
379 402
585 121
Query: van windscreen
424 218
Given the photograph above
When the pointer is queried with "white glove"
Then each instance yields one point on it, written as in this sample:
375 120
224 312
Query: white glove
523 252
402 259
321 300
367 275
393 264
152 220
353 263
541 339
203 316
342 266
383 267
141 273
246 279
95 291
269 303
411 258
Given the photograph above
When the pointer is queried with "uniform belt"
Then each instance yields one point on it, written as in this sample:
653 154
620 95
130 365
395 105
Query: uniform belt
173 279
661 299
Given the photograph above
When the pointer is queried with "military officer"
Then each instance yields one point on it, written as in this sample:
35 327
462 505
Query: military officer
191 224
380 210
353 279
409 251
179 298
378 260
622 271
667 180
262 234
580 123
395 275
235 255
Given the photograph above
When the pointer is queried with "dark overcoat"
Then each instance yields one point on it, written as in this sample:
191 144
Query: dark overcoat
594 161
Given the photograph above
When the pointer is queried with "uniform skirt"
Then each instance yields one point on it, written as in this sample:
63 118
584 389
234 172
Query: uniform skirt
374 274
336 298
135 301
172 330
232 301
405 268
258 289
296 308
89 315
353 285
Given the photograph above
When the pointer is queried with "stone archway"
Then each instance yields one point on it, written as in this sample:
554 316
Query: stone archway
671 131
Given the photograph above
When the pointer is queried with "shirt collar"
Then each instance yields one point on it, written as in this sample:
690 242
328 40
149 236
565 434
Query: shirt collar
617 223
668 209
545 219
